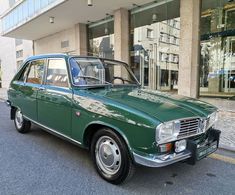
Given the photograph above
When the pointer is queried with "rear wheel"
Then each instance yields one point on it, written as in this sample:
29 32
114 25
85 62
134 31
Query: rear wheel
22 125
111 156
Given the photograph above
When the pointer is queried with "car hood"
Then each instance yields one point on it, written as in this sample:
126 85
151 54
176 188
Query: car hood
162 106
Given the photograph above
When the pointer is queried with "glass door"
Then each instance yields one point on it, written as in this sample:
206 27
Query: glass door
229 66
217 67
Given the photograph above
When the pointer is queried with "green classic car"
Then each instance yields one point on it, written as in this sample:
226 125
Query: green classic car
98 104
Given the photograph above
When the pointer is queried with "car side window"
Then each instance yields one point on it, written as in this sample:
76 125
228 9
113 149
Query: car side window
24 73
57 73
36 70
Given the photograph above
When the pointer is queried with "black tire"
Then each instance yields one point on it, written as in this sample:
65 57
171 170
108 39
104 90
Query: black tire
126 168
25 125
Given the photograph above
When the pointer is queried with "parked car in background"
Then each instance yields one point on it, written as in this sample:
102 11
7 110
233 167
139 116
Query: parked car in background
98 104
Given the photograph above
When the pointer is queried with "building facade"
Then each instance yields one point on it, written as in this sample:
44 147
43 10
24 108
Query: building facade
182 45
12 51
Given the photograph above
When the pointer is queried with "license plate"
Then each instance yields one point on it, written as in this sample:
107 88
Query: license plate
206 150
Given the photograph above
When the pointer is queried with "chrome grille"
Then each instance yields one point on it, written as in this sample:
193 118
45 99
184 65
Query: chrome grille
189 127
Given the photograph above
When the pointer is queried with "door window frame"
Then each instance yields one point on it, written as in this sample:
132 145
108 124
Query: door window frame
24 71
28 69
46 70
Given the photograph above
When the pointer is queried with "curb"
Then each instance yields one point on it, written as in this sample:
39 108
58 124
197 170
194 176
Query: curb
228 148
232 111
2 99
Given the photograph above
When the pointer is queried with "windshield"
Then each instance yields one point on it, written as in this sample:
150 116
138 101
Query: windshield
93 71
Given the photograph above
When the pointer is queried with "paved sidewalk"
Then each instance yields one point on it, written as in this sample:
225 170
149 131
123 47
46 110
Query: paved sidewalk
226 122
223 104
3 94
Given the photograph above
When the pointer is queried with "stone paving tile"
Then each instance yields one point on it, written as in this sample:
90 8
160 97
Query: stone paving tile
226 124
222 104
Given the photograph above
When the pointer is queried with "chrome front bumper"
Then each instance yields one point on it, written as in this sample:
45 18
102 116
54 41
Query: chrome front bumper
193 152
161 160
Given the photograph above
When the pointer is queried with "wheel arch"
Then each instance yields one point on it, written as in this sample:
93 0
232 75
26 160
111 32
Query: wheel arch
93 127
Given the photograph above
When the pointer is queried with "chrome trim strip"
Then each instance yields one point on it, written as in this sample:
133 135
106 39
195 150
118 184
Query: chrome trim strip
54 132
161 160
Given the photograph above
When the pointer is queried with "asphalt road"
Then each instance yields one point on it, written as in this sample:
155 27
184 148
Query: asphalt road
40 163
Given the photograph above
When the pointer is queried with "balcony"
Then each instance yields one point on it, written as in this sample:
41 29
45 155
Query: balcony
24 11
29 19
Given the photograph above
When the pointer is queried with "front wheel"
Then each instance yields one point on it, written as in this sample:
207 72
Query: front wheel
21 124
111 156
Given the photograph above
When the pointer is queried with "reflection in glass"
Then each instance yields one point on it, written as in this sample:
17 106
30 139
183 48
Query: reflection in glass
155 35
101 39
217 65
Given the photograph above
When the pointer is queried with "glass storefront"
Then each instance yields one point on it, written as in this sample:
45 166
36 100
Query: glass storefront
217 65
155 35
101 38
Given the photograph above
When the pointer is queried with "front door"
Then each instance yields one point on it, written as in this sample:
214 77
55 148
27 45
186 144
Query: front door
55 98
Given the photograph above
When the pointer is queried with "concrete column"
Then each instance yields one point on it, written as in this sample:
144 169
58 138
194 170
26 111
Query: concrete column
121 35
190 13
81 39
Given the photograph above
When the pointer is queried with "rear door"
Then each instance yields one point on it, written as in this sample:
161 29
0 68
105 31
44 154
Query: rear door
29 89
55 99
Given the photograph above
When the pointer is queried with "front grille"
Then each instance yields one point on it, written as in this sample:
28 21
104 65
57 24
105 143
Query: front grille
189 127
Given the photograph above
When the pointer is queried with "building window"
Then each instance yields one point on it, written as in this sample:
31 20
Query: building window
164 37
149 33
176 59
164 57
18 42
19 54
64 44
19 63
101 38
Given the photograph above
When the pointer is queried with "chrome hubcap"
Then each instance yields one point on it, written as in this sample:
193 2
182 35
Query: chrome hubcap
108 156
19 119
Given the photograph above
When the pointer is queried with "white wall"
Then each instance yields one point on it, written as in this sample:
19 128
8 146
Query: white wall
8 51
52 43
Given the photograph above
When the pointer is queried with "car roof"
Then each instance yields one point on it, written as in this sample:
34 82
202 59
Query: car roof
62 55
